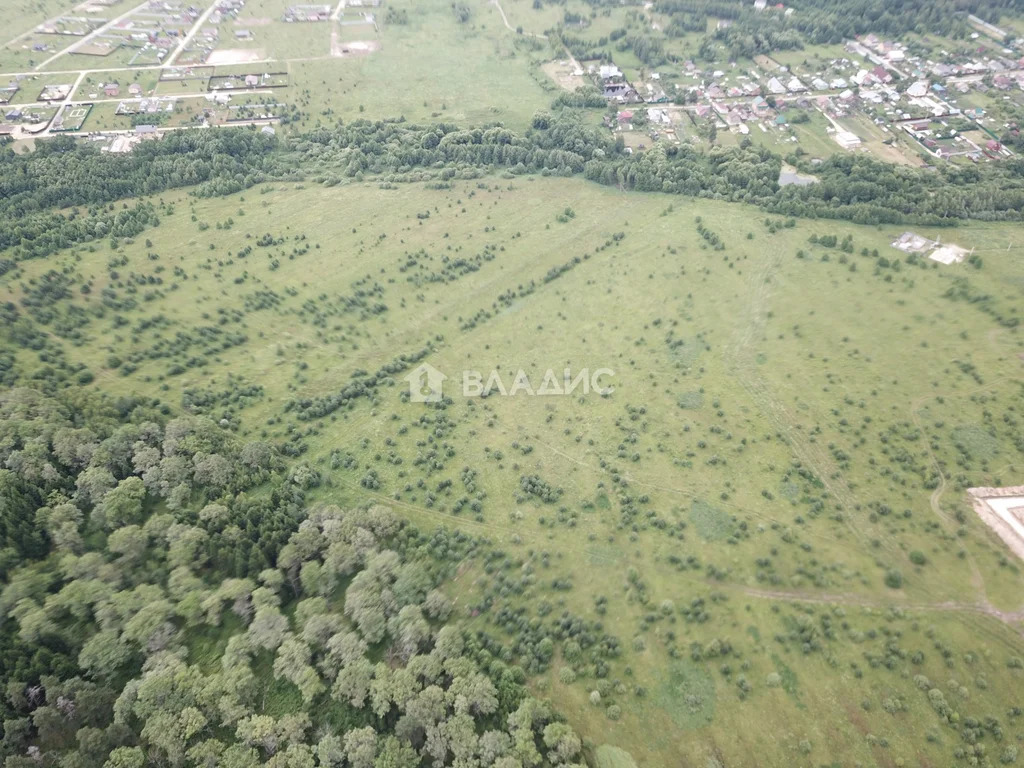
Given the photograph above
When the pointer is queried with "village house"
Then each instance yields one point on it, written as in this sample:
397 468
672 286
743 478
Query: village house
863 77
918 89
659 117
881 74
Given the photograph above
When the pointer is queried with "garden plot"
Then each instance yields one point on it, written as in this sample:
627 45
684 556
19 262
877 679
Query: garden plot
565 73
71 118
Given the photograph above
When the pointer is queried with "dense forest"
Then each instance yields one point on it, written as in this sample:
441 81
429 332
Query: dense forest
129 537
63 173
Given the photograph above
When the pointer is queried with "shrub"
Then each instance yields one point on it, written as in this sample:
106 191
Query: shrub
893 578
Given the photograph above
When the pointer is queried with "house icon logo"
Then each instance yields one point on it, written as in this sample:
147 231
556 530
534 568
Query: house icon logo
425 384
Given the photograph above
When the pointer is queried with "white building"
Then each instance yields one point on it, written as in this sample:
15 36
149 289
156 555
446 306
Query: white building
846 139
918 89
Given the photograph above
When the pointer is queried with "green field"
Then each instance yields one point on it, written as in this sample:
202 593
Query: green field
789 423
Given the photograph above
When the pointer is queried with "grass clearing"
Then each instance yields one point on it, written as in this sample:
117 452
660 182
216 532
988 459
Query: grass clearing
733 469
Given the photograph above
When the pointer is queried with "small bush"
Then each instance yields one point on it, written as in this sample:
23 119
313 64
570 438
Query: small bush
893 578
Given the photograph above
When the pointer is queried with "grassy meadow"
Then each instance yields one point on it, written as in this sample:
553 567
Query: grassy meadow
768 512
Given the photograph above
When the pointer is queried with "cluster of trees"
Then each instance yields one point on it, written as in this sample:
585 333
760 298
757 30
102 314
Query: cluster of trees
127 562
852 187
821 21
62 173
832 21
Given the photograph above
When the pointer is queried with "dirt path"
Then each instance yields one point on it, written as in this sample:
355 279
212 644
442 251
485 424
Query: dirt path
1010 618
977 580
504 18
741 354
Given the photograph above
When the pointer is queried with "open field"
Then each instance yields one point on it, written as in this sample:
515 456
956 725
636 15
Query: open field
502 83
769 511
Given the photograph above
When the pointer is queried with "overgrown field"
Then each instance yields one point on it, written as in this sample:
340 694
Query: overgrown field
756 550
